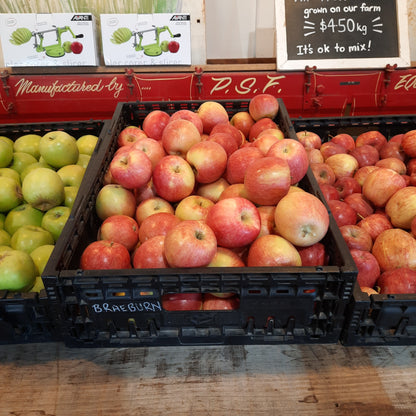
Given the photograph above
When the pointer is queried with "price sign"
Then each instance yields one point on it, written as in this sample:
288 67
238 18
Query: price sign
341 34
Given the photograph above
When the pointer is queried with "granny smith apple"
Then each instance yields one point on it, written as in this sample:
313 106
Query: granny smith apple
43 189
23 214
40 257
71 193
17 270
71 175
54 220
164 45
21 161
4 238
41 164
28 237
86 144
10 173
38 285
67 46
28 143
83 160
6 152
10 194
58 149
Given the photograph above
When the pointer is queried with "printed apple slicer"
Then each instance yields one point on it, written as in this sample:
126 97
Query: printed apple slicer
55 50
123 35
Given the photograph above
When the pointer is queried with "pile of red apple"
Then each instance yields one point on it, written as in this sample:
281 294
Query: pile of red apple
201 189
370 185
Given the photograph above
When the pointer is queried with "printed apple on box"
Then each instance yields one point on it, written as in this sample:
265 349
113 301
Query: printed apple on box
50 39
146 39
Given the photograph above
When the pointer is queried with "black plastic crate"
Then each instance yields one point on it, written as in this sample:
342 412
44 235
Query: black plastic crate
123 307
28 317
377 319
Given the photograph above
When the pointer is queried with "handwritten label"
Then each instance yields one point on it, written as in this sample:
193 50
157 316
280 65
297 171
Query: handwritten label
130 307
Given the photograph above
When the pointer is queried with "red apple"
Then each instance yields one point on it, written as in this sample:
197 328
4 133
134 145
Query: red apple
368 268
392 149
152 148
182 301
328 149
411 166
212 113
362 173
323 173
273 251
190 244
152 206
356 237
173 46
360 205
343 164
373 138
342 212
260 125
401 207
267 180
347 185
154 123
392 163
408 143
193 207
114 199
235 222
150 254
213 190
190 116
157 224
315 156
345 140
329 191
398 281
129 135
397 138
179 136
76 47
225 257
120 229
226 140
301 218
144 192
313 255
266 219
274 131
263 105
103 255
381 184
375 224
309 139
173 178
265 141
295 155
243 121
216 303
365 155
229 129
234 190
238 162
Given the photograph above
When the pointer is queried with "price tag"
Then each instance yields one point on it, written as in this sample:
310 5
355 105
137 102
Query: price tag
341 34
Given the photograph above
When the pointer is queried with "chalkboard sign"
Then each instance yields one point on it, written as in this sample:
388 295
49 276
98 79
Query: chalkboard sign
341 34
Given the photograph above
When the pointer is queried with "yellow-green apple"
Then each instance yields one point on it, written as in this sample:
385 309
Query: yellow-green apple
301 218
238 162
235 189
393 149
228 128
10 194
309 139
38 285
347 185
392 163
368 267
10 173
328 149
150 254
342 212
375 224
173 178
131 168
152 206
70 193
58 148
157 224
21 161
43 188
401 207
345 140
265 141
314 156
6 152
225 257
213 190
154 123
295 155
179 136
398 281
33 166
359 204
83 160
54 220
212 113
235 222
129 135
362 173
71 175
182 301
273 251
28 237
190 243
190 116
259 126
208 160
5 238
86 144
356 237
153 149
381 184
323 173
263 105
314 255
17 270
267 180
40 257
366 155
23 214
105 255
28 143
2 218
5 248
121 229
373 138
216 303
343 164
242 121
193 207
113 199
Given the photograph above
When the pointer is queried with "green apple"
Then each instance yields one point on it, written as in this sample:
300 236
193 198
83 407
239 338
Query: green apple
21 161
71 175
86 144
4 238
10 194
2 218
41 164
83 160
10 173
17 270
54 220
23 214
28 237
164 45
67 46
58 149
40 257
71 193
6 152
38 285
43 189
29 143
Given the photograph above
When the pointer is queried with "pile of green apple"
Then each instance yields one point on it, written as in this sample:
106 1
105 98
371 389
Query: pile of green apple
39 180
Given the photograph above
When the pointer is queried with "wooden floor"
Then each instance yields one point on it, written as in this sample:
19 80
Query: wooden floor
53 380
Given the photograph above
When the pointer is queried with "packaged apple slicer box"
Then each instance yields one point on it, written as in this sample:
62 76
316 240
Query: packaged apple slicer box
54 39
146 39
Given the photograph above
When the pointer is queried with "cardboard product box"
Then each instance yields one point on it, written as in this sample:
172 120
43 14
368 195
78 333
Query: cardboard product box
146 39
54 39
